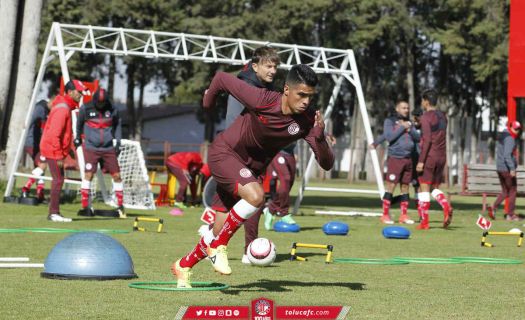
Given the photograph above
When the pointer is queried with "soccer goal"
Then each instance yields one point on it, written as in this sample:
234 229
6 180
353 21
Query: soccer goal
66 39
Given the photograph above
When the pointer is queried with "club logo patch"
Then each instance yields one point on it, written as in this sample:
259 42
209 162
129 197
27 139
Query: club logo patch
88 166
107 114
293 129
392 177
274 174
245 173
42 158
280 160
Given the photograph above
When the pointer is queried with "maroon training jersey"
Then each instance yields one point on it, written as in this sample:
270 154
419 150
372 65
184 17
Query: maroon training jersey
256 136
433 136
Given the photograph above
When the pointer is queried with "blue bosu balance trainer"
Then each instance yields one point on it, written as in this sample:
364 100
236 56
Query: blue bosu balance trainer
336 228
88 255
396 233
281 226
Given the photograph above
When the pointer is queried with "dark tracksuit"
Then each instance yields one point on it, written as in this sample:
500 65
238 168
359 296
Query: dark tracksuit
35 130
505 163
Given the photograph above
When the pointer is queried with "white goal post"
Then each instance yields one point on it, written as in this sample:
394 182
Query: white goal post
66 39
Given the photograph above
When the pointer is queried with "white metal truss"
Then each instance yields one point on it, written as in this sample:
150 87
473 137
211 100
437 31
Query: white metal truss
66 39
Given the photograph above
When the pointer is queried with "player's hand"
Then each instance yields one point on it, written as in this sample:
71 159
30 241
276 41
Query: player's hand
319 121
420 166
331 140
513 173
60 163
77 142
406 124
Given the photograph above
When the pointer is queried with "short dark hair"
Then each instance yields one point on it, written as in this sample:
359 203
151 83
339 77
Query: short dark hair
301 73
265 54
431 96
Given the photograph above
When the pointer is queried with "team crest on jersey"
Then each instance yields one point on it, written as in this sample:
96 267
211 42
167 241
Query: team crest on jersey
88 166
107 114
274 174
245 173
392 177
293 128
280 160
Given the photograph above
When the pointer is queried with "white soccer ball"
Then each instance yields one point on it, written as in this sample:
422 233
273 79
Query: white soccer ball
261 252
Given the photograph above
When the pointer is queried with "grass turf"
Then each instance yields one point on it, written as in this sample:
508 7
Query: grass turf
413 291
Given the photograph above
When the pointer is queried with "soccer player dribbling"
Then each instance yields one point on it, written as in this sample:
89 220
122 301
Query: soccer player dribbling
239 155
432 159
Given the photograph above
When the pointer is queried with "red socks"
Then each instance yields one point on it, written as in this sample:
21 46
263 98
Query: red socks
231 225
197 254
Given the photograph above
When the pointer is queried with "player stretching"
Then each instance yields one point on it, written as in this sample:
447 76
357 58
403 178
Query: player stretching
100 123
239 155
432 158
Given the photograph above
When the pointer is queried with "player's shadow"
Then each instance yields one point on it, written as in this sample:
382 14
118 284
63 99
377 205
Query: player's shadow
266 285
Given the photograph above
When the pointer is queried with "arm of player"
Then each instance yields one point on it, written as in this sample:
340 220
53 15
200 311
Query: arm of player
81 118
508 149
379 140
426 133
57 130
390 132
415 134
317 141
117 126
248 95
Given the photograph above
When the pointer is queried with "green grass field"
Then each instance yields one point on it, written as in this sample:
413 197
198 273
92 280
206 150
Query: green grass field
413 291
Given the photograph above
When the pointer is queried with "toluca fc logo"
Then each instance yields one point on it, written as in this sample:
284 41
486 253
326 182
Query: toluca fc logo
262 307
293 128
245 173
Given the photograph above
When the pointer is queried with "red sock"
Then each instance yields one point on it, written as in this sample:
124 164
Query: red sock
40 189
404 207
231 225
386 207
423 209
28 184
197 254
120 197
442 200
84 194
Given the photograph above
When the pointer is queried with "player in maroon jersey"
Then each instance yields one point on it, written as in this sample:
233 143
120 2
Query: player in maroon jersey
432 158
238 156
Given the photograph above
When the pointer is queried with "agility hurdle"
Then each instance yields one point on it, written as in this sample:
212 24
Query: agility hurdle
484 243
295 245
145 219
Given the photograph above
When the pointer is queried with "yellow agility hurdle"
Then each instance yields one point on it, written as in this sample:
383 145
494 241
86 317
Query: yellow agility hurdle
145 219
295 245
484 243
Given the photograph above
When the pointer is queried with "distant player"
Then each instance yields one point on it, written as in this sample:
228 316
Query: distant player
401 136
185 166
239 155
55 144
98 124
432 158
506 164
32 148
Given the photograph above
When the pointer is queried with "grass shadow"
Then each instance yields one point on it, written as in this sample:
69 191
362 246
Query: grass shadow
266 285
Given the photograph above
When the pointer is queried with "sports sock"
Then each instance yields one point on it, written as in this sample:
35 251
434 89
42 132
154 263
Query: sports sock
40 187
424 206
85 189
194 256
240 212
387 200
403 205
441 199
36 172
119 192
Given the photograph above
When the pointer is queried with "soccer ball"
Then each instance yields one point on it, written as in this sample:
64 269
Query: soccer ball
261 252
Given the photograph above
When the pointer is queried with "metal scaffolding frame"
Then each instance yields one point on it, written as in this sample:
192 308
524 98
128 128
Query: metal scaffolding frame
66 39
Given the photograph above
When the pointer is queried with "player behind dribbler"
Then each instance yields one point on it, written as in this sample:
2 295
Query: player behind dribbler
401 136
432 158
55 144
282 169
240 154
98 124
506 164
185 166
32 148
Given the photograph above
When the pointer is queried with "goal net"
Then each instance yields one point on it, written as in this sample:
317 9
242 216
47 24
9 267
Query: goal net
137 189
